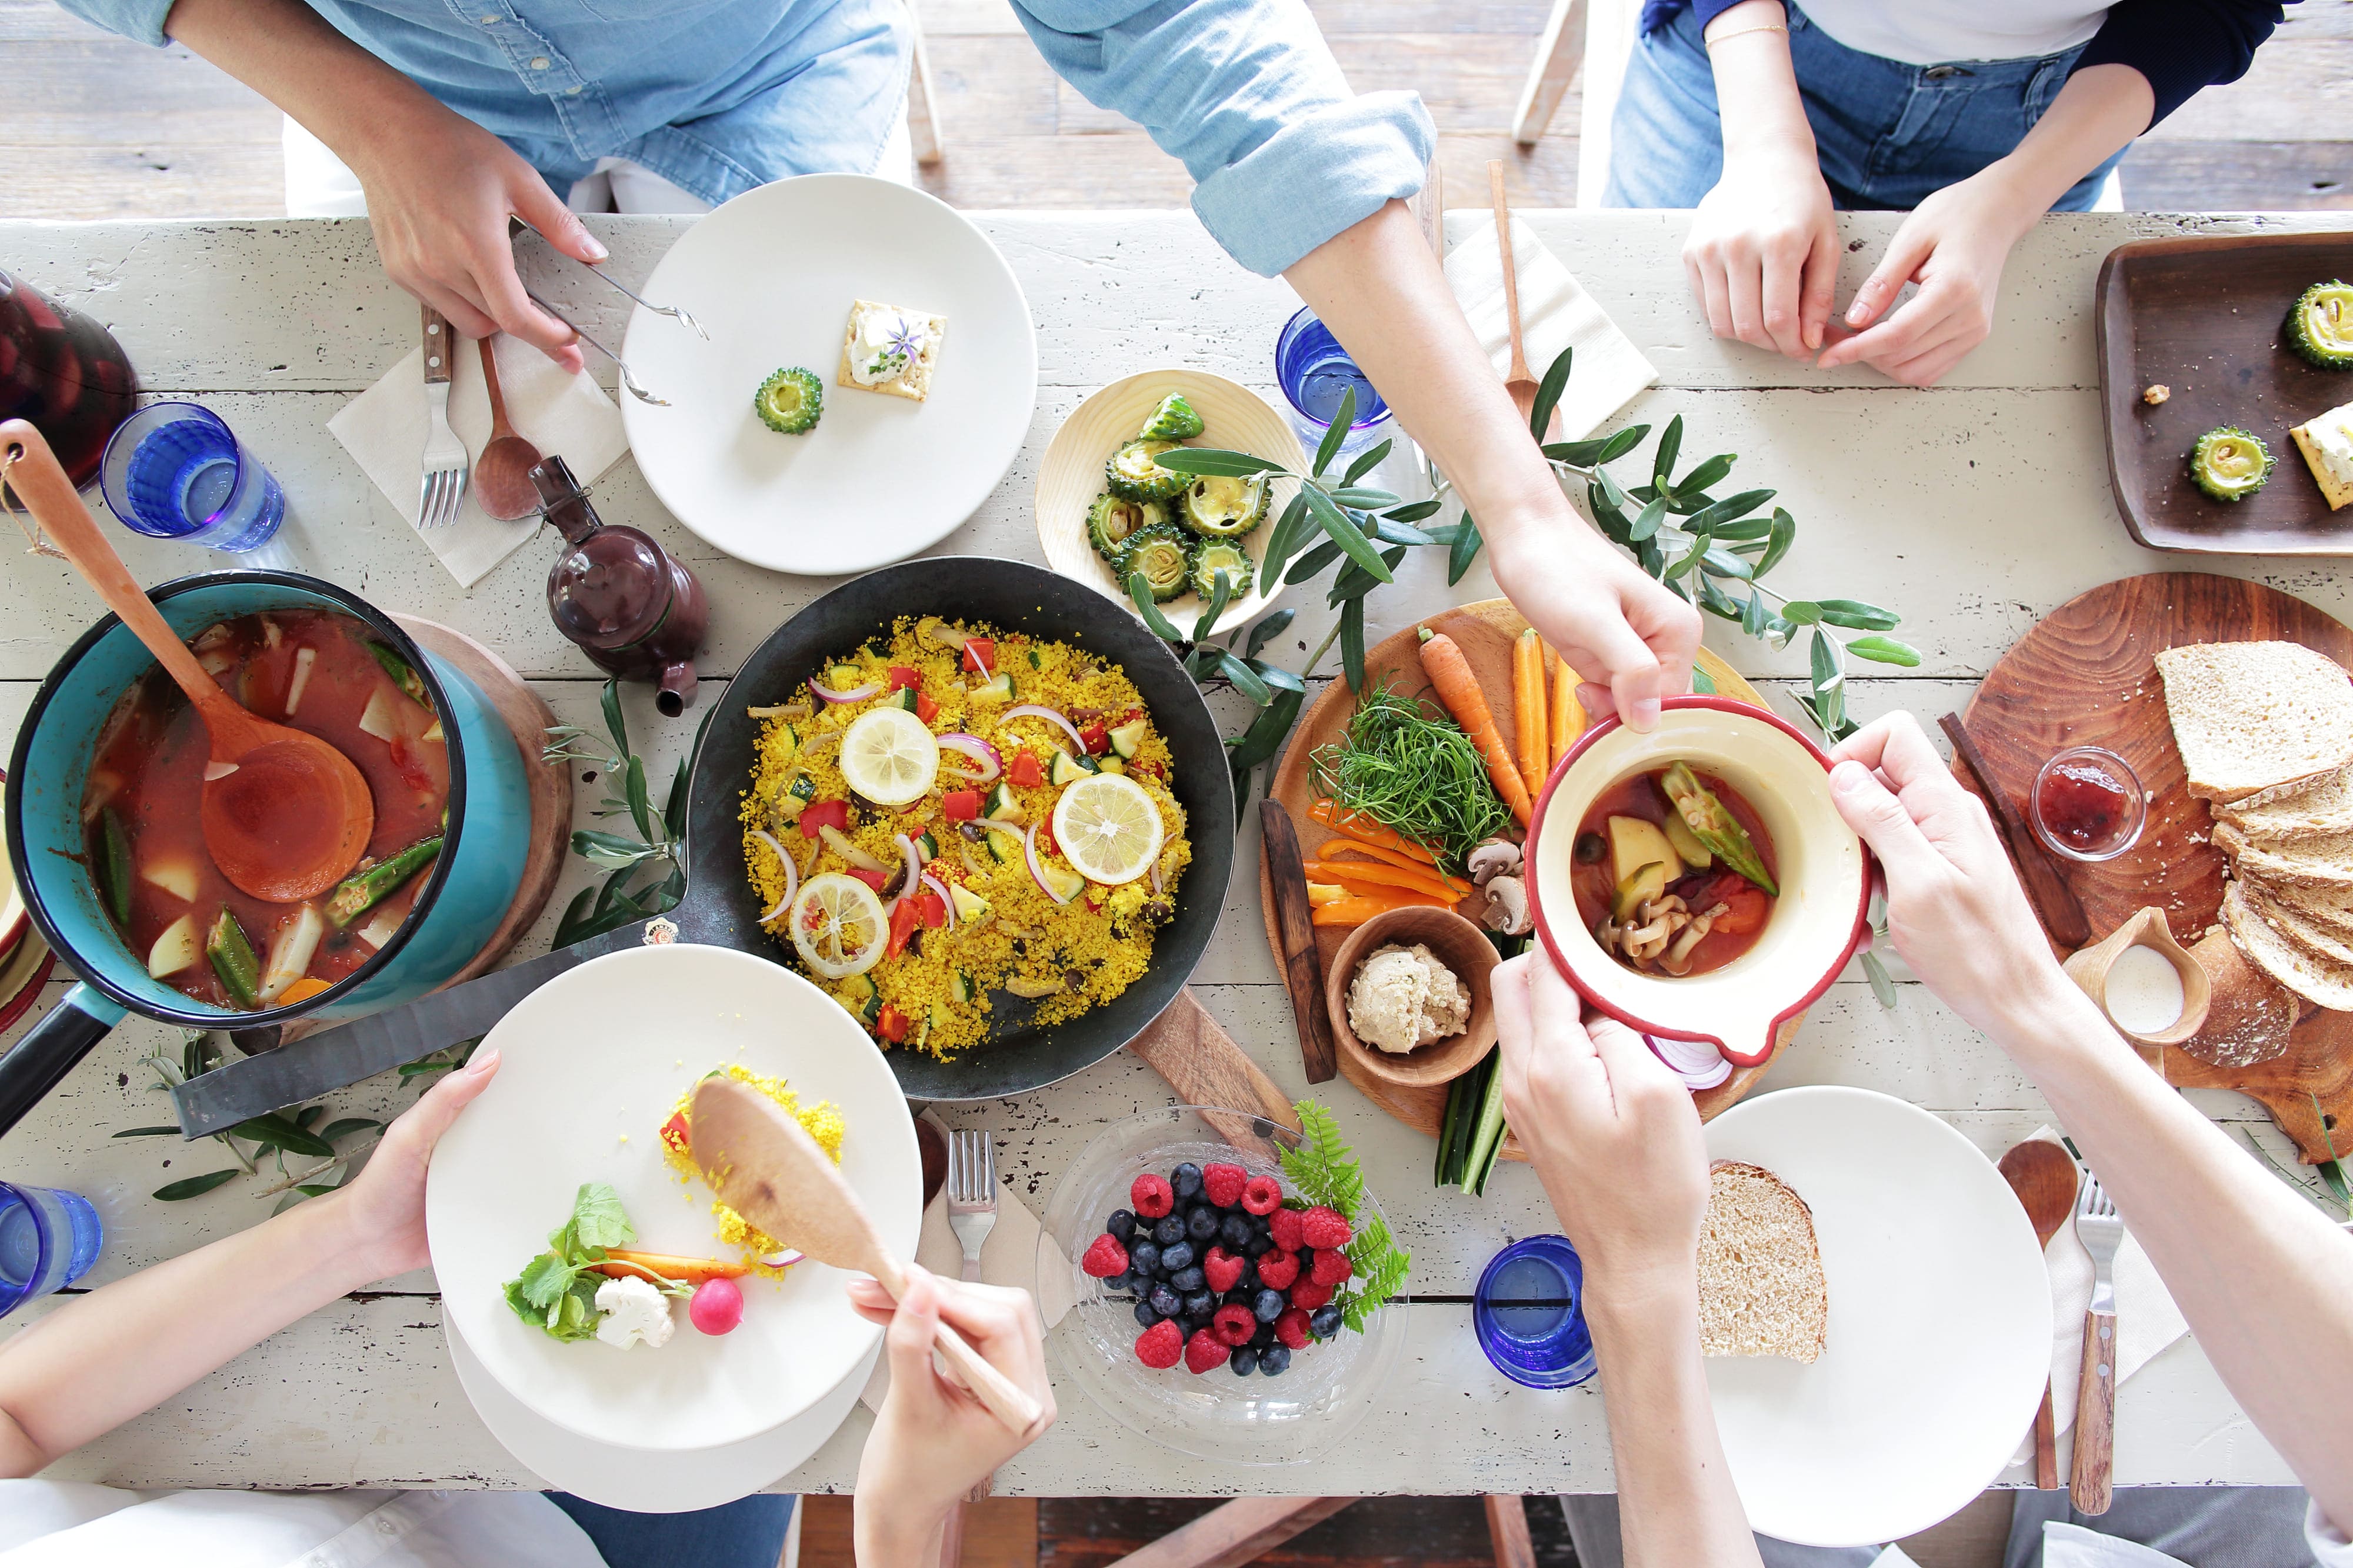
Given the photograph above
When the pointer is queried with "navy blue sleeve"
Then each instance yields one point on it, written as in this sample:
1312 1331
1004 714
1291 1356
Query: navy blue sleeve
2182 46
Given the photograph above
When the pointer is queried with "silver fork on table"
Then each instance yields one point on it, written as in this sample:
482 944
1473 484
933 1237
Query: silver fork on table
446 467
972 1194
2101 1231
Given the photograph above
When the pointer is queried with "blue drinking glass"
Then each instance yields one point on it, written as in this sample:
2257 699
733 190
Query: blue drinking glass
174 470
1316 374
48 1239
1529 1314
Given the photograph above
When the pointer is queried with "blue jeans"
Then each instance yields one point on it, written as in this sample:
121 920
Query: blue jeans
747 1533
1888 133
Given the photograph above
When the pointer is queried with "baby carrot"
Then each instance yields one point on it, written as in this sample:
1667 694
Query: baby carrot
1567 714
1392 857
1367 831
1458 688
1528 711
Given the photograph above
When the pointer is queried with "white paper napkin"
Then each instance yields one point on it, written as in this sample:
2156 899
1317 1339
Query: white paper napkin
1556 312
2147 1319
1012 1255
566 416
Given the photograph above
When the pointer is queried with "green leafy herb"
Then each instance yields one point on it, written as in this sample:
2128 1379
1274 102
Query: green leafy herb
556 1291
1401 763
622 899
275 1135
1323 1170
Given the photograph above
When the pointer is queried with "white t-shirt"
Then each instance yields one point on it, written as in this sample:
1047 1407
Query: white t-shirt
2072 1546
1931 32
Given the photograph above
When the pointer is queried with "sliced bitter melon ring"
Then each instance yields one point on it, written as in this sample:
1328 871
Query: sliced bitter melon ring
790 401
1161 553
1216 556
2320 327
1113 520
1174 420
1218 507
1132 472
2229 464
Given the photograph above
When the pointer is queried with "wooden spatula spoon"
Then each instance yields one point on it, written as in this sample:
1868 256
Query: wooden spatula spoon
1518 382
2044 1179
285 815
503 486
766 1167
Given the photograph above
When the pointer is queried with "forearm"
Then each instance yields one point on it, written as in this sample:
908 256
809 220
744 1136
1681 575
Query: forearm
893 1535
1676 1503
2100 110
1756 86
95 1362
2264 1279
287 52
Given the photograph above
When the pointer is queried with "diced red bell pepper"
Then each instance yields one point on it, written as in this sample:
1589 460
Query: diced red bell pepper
1095 738
1024 772
980 657
1745 905
960 804
891 1023
874 880
931 910
902 678
673 1132
833 814
925 709
903 926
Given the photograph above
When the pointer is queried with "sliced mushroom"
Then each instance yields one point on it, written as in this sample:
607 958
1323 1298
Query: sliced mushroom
1508 906
1495 857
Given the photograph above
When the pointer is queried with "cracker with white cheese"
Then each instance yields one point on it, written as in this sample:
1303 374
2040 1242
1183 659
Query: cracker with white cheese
2335 478
913 383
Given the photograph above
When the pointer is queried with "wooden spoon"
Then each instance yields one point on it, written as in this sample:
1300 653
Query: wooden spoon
763 1164
1518 382
503 486
2043 1177
285 815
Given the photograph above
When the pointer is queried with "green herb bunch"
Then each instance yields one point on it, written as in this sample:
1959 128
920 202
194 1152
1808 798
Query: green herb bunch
659 840
556 1291
1323 1170
1415 771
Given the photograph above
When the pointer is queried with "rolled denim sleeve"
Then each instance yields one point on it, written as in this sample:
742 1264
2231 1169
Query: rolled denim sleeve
138 20
1246 94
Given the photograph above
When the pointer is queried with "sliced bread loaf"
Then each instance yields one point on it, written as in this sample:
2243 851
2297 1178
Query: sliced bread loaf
2330 908
2317 808
2252 716
2324 863
1761 1288
2316 978
2318 940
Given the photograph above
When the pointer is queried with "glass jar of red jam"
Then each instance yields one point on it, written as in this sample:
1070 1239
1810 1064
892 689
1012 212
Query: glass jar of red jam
2087 803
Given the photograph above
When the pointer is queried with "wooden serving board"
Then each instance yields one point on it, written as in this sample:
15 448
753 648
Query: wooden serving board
2085 676
1485 632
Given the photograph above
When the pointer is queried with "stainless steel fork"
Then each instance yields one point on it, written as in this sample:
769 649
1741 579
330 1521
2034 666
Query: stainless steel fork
2101 1231
446 467
972 1194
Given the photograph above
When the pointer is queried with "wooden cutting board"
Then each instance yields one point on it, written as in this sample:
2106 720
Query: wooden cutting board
2085 676
1486 631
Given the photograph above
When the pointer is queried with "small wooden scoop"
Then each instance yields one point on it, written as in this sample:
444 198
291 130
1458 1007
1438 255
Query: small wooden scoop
766 1167
2044 1179
285 815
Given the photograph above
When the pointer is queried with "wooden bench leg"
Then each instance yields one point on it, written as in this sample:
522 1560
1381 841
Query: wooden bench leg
1235 1533
923 114
1507 1527
1558 55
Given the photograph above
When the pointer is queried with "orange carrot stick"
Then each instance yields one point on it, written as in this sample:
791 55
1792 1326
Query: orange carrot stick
1388 857
623 1265
1365 830
1457 687
1528 711
1357 911
1378 875
1567 714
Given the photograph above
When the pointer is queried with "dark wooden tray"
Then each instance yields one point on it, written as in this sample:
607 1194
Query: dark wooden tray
2206 317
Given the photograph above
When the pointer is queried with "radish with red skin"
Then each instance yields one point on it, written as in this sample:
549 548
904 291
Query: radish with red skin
717 1306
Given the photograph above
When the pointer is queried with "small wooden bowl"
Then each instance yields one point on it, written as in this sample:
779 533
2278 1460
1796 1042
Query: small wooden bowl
1458 945
2089 969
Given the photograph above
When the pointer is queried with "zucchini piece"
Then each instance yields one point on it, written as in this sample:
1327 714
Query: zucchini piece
1001 808
929 845
1164 557
1716 826
1065 883
234 960
1128 739
1219 507
1174 420
1110 765
969 907
790 401
2229 464
845 678
1130 472
404 674
906 697
1215 556
959 986
114 865
2320 325
1687 848
1112 520
370 886
1647 882
1070 769
998 688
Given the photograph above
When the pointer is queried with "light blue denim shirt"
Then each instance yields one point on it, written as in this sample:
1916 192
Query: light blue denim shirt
724 95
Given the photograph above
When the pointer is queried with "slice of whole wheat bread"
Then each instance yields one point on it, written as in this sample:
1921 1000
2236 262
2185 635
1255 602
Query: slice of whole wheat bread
2323 864
2312 975
2318 941
2317 808
2253 716
2330 908
1761 1287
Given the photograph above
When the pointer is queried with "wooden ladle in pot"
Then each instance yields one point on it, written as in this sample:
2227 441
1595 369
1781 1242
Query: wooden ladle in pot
285 815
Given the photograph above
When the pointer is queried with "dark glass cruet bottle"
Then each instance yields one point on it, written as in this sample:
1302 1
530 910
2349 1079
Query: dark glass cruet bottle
630 605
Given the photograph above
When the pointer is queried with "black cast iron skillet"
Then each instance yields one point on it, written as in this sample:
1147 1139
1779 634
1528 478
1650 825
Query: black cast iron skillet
720 909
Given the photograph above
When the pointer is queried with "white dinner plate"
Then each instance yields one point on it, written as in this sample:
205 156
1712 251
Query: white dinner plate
592 1064
1939 1339
772 275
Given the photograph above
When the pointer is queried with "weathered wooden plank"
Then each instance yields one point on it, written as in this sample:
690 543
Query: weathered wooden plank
2299 89
159 178
2271 176
94 91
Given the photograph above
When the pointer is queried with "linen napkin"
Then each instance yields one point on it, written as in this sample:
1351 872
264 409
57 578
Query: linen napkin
566 416
1019 1253
1556 312
2147 1319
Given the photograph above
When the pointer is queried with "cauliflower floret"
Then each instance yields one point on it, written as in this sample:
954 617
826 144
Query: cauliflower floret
633 1310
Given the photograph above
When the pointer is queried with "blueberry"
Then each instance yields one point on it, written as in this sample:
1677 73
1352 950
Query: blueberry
1118 1282
1234 1233
1237 1297
1274 1361
1144 1316
1169 1230
1194 1325
1201 1224
1177 1259
1324 1322
1187 1179
1245 1362
1201 1304
1264 1337
1260 1225
1268 1305
1122 1224
1144 1258
1260 1244
1165 1303
1189 1280
1248 1278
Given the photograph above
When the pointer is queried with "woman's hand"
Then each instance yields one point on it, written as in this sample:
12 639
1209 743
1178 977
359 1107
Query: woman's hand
1615 626
381 1209
1763 250
1954 906
1613 1133
932 1442
1953 246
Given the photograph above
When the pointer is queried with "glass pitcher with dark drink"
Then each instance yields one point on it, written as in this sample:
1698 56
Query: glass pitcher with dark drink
63 372
632 608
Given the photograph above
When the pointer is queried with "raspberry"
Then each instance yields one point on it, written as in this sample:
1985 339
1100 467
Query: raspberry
1223 1269
1151 1196
1292 1329
1234 1325
1322 1227
1276 1270
1307 1295
1105 1257
1288 1228
1205 1350
1223 1185
1263 1195
1331 1266
1162 1345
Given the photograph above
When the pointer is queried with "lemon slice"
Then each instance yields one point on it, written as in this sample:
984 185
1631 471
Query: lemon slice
1108 828
890 756
837 925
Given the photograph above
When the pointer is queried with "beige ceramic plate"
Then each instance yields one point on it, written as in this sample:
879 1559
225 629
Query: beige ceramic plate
1232 416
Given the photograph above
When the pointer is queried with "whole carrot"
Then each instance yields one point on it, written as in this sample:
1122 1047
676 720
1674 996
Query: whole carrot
1567 714
1458 688
1530 742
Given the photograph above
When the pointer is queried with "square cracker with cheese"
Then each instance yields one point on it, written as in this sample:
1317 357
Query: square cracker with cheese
2338 493
914 382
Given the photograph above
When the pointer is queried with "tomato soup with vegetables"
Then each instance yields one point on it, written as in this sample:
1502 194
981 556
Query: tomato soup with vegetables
315 670
1673 872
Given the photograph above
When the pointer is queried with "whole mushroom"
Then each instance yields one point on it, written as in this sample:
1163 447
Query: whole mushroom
1495 857
1508 906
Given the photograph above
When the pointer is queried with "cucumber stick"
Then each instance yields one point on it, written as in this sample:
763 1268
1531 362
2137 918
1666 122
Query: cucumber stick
1486 1135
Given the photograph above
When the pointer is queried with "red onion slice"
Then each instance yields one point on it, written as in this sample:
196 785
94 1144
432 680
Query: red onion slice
979 751
1037 870
1699 1064
829 695
783 1260
1031 710
934 885
792 875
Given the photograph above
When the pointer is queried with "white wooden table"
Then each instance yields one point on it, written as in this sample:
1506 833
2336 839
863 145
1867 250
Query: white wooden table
1972 509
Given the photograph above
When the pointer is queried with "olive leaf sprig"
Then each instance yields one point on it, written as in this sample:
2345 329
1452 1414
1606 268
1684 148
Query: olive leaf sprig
277 1135
659 838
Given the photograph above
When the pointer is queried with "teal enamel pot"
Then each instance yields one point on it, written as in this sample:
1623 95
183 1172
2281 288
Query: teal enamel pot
465 892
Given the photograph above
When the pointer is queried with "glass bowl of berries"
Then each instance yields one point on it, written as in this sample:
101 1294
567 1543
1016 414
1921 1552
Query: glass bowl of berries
1231 1280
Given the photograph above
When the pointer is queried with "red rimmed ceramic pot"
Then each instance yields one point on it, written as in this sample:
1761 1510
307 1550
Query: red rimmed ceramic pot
1823 869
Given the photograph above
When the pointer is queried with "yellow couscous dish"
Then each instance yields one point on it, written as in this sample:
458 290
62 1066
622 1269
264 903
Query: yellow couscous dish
822 1120
949 811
